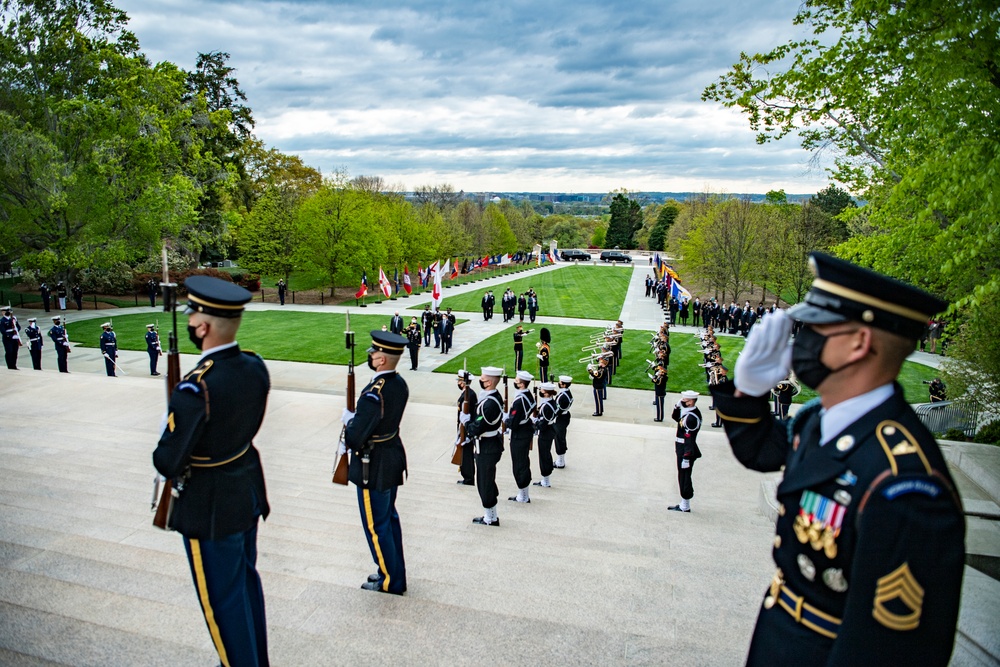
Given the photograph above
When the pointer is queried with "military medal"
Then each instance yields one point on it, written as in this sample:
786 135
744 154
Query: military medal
847 479
829 543
806 567
819 522
800 526
842 497
834 579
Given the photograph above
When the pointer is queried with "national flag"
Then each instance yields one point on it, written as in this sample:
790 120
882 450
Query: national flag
363 290
383 283
406 280
395 278
436 294
454 271
465 265
677 290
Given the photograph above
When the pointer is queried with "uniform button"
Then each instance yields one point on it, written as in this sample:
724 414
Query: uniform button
777 541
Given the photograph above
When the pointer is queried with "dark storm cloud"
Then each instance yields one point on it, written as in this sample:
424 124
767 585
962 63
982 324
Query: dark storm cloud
450 87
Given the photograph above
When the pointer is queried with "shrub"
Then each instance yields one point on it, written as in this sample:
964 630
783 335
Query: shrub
115 279
989 434
956 434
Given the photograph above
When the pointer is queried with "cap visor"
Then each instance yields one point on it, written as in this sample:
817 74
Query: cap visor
809 314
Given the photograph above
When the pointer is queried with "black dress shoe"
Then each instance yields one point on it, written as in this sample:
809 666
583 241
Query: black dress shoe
677 508
154 373
596 414
374 577
558 467
480 520
377 587
514 498
544 486
657 420
462 481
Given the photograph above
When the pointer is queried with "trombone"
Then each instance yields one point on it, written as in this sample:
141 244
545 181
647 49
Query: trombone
596 356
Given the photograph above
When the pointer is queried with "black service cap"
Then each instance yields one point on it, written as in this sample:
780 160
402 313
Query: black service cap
388 342
213 296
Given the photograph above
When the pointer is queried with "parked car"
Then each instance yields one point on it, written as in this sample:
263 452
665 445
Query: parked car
570 255
615 256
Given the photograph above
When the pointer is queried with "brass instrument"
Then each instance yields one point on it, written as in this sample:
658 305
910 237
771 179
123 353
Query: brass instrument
597 356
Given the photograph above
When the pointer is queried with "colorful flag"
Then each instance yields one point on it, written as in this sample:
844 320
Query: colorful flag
383 283
465 265
406 280
454 271
436 294
363 290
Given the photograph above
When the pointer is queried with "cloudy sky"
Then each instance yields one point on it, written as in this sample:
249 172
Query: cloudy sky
496 95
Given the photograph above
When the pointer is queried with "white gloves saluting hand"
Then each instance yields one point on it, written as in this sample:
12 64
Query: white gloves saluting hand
767 356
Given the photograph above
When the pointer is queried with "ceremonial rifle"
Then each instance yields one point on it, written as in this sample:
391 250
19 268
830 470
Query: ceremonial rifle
163 488
503 427
340 467
456 458
534 415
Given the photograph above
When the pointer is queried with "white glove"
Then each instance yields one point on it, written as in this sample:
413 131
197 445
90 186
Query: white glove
464 418
106 356
678 405
504 416
685 463
342 449
539 356
346 416
767 356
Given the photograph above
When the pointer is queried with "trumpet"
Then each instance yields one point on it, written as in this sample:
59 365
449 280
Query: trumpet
597 356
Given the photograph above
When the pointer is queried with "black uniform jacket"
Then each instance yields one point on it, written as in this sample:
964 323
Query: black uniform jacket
519 420
600 376
376 425
214 414
485 422
686 440
870 528
564 401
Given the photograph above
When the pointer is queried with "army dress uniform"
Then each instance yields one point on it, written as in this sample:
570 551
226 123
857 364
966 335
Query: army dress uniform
564 403
61 343
870 535
207 449
378 464
519 348
153 348
522 432
34 336
109 349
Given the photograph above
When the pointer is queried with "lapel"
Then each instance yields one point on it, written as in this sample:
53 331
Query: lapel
812 464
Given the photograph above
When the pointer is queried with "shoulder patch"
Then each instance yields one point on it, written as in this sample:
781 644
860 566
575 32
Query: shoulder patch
923 486
188 386
897 441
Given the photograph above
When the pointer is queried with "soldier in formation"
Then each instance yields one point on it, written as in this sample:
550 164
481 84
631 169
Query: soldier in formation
34 336
487 427
109 348
10 332
466 405
60 340
545 425
521 425
153 348
564 403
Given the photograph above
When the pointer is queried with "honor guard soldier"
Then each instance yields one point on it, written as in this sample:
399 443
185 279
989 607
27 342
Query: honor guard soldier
413 343
688 419
282 288
468 466
522 432
519 335
545 425
46 294
9 329
153 348
659 379
544 350
61 342
152 289
78 296
209 453
870 531
564 402
109 348
61 295
34 336
600 380
378 460
486 427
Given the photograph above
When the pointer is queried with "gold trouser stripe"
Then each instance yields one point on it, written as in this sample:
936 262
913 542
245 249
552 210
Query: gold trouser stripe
741 420
370 521
206 605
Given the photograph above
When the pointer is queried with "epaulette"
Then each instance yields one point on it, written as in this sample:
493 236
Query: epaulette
375 391
897 441
199 372
253 353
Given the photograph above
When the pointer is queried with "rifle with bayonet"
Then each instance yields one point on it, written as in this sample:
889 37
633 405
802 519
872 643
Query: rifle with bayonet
164 492
456 457
340 467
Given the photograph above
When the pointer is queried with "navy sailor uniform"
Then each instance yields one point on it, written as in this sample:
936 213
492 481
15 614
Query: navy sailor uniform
522 432
485 426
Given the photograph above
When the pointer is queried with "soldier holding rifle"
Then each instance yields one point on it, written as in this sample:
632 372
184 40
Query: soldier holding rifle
378 460
109 349
486 425
34 336
544 424
153 348
522 432
216 471
61 341
564 402
466 401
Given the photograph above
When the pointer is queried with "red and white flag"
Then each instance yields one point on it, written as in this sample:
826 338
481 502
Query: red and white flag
363 290
383 283
406 280
437 269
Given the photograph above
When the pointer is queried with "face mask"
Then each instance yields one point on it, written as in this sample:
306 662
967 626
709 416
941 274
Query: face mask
482 384
807 351
198 342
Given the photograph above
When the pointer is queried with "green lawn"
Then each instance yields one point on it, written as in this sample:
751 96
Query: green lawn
593 292
278 335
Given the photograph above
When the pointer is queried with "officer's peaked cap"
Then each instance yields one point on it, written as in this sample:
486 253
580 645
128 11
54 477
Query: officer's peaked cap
844 292
213 296
387 342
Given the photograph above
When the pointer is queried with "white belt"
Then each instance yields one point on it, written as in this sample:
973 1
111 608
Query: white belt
489 434
679 441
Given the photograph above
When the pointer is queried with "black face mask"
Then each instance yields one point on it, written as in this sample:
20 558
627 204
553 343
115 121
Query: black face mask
482 384
807 351
371 364
198 342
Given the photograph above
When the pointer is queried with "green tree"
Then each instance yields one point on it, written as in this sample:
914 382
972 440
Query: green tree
626 220
664 219
833 200
269 236
598 238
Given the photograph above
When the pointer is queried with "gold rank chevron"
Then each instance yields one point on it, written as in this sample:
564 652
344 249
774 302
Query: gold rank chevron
900 584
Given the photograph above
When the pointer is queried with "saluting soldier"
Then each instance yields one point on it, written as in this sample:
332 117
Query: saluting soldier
599 375
109 348
870 531
282 288
46 294
468 466
486 427
413 342
378 460
545 425
522 431
217 470
519 335
9 329
543 354
61 342
78 296
152 290
61 295
34 336
564 403
688 418
153 348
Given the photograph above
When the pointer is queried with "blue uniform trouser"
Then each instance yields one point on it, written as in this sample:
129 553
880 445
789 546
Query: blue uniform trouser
61 352
231 596
154 357
659 406
599 400
385 538
109 364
